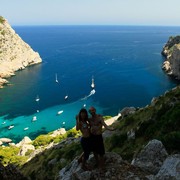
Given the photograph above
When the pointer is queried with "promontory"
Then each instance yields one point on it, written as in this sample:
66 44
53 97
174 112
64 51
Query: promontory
171 51
15 54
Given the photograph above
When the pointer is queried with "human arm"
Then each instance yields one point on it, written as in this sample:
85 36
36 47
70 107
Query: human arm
77 123
105 125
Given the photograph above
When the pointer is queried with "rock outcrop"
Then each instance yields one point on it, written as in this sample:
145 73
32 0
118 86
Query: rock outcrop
170 168
151 157
25 145
172 53
152 163
115 168
15 54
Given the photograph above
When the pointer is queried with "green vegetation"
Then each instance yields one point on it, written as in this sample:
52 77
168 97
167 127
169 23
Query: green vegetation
3 32
42 165
2 20
159 121
46 139
42 140
9 155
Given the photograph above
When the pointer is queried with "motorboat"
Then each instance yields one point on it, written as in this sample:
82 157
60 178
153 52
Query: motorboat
34 118
26 128
92 92
10 127
66 97
60 112
92 83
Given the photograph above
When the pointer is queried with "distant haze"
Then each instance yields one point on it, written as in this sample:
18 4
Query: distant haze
91 12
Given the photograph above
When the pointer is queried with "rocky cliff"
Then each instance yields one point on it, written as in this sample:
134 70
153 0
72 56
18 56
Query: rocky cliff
171 51
15 54
152 163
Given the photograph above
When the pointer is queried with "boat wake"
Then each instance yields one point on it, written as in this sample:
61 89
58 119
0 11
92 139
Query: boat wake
90 94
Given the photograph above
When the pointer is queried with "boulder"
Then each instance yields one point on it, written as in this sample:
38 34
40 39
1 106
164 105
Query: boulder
127 110
25 148
5 140
57 132
25 140
151 157
170 168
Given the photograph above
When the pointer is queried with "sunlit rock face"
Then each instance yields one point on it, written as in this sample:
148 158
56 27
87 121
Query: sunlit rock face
15 54
172 53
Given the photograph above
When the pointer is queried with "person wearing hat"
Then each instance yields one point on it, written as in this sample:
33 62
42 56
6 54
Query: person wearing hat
96 124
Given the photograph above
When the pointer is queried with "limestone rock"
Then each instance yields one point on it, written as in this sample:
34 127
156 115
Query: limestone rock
115 169
175 61
5 140
57 132
151 157
25 140
171 51
170 168
127 110
15 54
25 146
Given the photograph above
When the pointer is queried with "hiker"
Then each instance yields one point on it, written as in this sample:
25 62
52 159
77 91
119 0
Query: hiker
83 125
96 123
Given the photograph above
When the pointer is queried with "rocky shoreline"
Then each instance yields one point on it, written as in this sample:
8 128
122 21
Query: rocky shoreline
15 54
171 51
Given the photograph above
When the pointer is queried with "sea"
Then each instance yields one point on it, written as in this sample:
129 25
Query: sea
124 61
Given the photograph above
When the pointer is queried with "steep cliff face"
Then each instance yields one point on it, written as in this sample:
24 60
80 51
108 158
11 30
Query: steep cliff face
15 54
172 52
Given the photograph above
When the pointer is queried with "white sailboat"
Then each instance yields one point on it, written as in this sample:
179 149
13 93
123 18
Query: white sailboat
57 79
92 83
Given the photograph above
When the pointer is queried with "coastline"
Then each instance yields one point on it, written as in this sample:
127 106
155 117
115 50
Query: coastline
15 54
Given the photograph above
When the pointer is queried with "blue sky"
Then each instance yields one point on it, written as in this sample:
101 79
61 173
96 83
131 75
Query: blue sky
91 12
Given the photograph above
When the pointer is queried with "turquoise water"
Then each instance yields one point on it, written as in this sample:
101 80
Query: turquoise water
47 120
124 60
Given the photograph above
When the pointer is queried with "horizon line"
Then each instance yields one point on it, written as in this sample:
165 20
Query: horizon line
147 25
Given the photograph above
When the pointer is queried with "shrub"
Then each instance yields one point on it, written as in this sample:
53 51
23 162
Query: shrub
72 133
42 140
10 155
171 141
116 141
3 32
2 20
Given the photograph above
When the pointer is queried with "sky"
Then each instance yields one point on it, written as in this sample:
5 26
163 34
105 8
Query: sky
91 12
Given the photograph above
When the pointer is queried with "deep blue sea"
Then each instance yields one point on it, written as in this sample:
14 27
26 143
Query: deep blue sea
125 62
